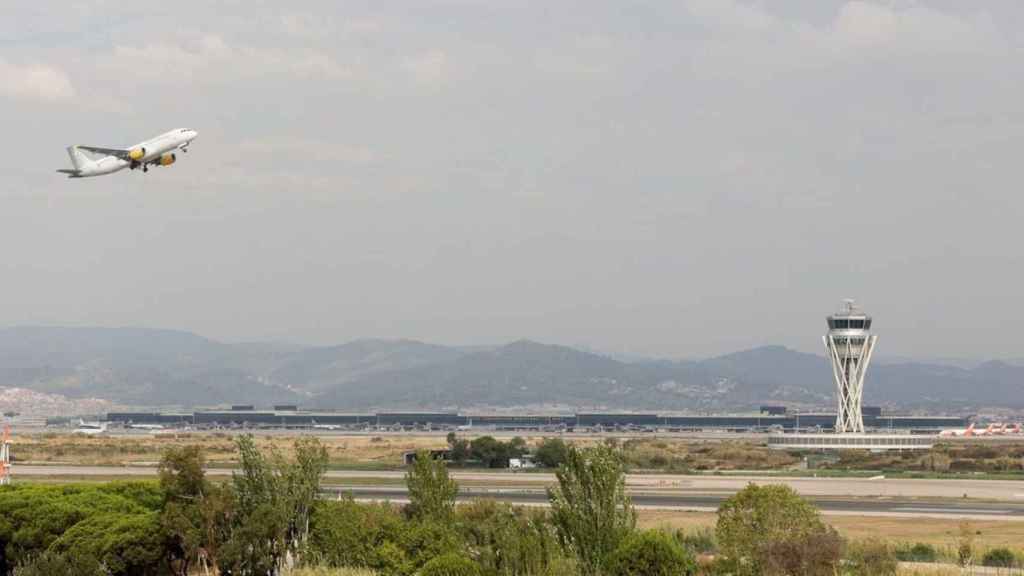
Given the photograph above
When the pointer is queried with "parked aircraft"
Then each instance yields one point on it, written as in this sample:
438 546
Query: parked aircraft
159 151
967 432
91 428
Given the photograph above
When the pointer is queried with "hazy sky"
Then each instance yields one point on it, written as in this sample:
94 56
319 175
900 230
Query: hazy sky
680 178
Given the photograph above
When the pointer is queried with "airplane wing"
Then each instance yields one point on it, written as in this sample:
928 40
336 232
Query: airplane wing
116 152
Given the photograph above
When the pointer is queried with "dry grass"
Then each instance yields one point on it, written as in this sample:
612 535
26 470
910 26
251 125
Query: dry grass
355 451
938 532
320 571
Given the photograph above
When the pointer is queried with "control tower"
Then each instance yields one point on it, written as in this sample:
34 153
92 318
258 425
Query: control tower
849 345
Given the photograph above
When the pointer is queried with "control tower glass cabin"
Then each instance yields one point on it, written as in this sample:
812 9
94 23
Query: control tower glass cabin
849 345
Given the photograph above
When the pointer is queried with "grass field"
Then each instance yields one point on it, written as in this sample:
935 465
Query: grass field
940 533
681 455
369 452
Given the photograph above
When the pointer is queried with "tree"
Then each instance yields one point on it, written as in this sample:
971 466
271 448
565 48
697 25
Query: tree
965 546
507 540
273 499
589 507
196 513
650 553
346 533
431 492
490 452
54 564
125 544
459 448
762 523
450 565
551 452
517 447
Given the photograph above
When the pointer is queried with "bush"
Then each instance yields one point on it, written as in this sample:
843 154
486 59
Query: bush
55 564
450 565
346 533
551 452
999 558
126 544
764 528
700 541
872 558
813 554
919 552
650 553
506 539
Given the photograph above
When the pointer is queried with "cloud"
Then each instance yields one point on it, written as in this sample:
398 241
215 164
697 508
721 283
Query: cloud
429 69
746 40
209 58
861 24
311 149
35 82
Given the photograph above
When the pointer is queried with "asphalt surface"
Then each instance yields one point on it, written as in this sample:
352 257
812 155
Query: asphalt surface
957 498
698 502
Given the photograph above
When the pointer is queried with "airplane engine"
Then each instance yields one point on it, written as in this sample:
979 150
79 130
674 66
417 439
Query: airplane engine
137 153
167 159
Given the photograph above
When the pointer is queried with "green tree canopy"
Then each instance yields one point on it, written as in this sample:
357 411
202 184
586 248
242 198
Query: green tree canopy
589 507
767 522
650 553
431 491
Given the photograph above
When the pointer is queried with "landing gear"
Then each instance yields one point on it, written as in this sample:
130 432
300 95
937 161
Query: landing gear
145 167
185 150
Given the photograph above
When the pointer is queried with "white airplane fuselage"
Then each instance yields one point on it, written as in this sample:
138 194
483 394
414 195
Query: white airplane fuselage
155 151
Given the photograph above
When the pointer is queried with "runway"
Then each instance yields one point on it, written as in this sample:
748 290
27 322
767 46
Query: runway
709 503
946 498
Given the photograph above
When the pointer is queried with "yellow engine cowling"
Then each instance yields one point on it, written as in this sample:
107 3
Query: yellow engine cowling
167 159
136 153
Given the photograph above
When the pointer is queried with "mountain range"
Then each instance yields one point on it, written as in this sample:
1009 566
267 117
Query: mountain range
148 368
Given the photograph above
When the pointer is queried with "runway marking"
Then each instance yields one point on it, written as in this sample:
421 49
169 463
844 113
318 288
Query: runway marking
952 510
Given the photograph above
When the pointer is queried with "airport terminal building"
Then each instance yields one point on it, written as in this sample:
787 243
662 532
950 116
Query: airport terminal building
770 418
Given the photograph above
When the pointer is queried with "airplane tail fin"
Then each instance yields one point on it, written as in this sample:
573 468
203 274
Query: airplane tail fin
78 158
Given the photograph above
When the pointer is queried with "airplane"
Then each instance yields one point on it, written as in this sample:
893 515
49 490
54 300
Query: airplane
146 426
159 151
968 432
91 428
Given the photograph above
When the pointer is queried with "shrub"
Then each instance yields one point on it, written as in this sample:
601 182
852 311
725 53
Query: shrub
919 552
345 533
54 564
999 558
872 558
772 527
699 541
650 553
551 452
450 565
813 554
507 539
126 544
